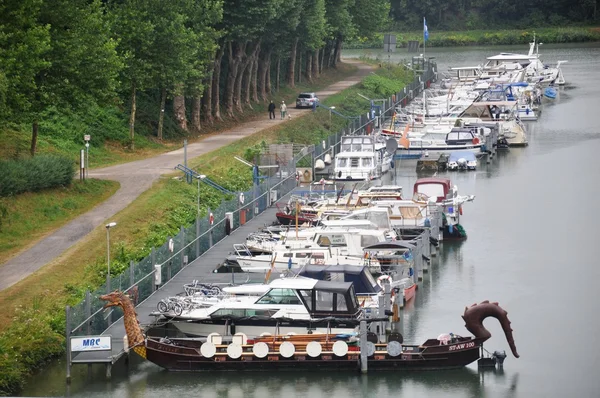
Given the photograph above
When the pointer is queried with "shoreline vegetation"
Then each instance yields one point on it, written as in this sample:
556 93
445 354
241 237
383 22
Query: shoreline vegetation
36 304
481 37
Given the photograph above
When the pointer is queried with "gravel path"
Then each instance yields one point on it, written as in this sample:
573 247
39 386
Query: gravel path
135 178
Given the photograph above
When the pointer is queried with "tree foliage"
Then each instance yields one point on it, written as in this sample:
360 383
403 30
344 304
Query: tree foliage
74 55
485 14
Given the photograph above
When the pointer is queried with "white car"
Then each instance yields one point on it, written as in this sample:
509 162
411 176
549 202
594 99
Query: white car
306 100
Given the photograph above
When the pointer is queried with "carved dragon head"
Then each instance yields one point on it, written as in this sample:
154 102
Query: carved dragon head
475 314
115 299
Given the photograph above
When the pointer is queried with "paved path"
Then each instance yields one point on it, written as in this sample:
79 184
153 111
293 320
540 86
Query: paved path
135 178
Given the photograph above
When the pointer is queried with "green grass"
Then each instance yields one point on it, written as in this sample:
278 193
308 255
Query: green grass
485 37
31 216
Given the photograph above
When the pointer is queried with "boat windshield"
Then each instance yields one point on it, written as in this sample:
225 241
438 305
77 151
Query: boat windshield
279 296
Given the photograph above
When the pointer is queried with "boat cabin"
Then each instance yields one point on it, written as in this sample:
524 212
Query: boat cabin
320 298
434 187
462 136
359 276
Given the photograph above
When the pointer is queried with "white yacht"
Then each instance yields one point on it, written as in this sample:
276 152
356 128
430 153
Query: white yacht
287 305
362 157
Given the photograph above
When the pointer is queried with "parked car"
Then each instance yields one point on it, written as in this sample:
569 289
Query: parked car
306 100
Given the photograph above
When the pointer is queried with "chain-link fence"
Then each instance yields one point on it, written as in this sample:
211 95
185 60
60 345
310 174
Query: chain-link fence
88 318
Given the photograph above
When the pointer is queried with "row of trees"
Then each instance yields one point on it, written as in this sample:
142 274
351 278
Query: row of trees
213 57
483 14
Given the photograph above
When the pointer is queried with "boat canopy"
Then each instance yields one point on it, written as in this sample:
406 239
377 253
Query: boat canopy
391 245
467 155
359 276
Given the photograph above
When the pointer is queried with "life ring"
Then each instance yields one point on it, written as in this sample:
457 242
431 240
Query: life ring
475 140
211 219
242 198
306 175
382 278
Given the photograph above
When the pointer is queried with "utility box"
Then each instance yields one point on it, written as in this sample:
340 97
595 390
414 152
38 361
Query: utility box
272 196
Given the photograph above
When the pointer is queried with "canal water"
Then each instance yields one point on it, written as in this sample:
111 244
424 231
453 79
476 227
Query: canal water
532 236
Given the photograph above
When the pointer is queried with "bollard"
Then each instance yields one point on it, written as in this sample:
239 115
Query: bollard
363 347
228 223
68 341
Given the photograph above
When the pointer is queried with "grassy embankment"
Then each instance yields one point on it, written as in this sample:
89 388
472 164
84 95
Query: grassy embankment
485 37
37 303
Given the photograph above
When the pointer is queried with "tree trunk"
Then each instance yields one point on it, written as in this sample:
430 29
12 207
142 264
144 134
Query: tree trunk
315 65
278 73
161 117
34 136
235 52
196 107
263 61
216 84
268 78
237 98
309 64
253 83
292 67
300 68
338 50
132 116
207 102
249 73
179 110
322 53
331 53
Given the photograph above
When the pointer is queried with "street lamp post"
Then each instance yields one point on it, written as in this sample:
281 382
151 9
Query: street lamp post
108 227
199 177
330 109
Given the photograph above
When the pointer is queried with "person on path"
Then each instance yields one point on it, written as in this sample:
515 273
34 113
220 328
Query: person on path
271 110
283 109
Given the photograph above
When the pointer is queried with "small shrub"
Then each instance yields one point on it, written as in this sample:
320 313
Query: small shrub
34 174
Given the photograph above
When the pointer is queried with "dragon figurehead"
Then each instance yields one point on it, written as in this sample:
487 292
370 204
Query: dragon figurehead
132 326
474 316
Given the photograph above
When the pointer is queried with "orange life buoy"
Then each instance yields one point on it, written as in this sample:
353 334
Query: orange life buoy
476 140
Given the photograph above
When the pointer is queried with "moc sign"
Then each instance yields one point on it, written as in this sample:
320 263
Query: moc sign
91 343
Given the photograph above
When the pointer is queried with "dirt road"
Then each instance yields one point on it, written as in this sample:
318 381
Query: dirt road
135 178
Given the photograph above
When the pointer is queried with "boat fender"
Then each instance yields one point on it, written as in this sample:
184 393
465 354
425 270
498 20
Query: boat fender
382 278
460 210
476 140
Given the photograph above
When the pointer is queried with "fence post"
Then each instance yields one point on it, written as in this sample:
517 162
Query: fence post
132 273
197 237
88 312
210 233
153 261
68 335
182 240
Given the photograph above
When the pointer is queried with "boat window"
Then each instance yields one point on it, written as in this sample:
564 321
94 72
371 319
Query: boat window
324 241
279 296
342 162
346 147
352 295
301 255
287 254
324 301
380 219
367 240
240 312
340 304
431 190
370 278
354 162
367 162
307 296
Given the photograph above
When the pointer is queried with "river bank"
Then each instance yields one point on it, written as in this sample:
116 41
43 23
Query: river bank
149 221
483 37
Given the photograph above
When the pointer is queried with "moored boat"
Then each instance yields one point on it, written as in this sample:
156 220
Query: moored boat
312 351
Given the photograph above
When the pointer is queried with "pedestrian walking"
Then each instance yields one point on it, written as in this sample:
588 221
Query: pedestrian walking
283 109
271 110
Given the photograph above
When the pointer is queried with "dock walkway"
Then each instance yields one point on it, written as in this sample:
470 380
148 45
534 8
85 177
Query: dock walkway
201 268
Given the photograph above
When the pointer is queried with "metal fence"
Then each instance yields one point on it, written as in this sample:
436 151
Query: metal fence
191 242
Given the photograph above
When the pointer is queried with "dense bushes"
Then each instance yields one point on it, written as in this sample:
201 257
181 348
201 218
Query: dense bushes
34 174
481 37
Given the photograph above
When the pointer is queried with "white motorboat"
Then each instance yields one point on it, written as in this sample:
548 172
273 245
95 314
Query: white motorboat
289 305
362 157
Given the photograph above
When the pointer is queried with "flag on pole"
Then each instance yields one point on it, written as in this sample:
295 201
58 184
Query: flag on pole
425 30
